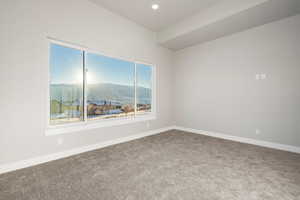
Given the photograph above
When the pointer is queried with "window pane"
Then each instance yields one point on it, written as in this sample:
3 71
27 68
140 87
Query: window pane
144 88
110 85
66 85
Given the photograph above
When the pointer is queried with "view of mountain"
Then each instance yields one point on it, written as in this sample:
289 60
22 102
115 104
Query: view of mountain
121 94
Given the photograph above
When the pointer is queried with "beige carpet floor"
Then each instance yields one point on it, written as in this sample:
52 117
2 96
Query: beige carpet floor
167 166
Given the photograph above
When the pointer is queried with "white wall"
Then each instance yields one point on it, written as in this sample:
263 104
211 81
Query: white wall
216 88
24 69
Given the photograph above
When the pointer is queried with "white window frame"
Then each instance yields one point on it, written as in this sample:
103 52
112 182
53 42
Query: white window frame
98 123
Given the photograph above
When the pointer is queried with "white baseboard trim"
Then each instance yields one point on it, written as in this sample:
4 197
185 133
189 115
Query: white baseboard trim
272 145
42 159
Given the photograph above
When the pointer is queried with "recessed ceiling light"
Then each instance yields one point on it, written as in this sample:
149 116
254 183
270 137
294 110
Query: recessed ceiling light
155 6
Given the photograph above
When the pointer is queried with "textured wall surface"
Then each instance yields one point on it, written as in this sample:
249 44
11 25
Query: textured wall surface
216 89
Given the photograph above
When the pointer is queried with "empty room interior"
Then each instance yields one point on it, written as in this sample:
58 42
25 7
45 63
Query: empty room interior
150 100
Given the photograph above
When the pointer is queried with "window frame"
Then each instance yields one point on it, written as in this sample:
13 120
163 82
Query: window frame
97 123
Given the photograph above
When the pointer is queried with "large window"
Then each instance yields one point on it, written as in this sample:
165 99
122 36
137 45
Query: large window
87 86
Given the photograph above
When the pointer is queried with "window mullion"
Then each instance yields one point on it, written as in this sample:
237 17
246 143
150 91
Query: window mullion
135 95
84 86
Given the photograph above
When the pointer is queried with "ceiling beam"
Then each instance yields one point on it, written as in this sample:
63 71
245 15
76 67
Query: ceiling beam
226 18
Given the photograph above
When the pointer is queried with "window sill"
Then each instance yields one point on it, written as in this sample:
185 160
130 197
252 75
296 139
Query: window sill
82 126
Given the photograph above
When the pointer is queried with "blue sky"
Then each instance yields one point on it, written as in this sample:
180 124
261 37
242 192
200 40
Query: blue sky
109 70
66 67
